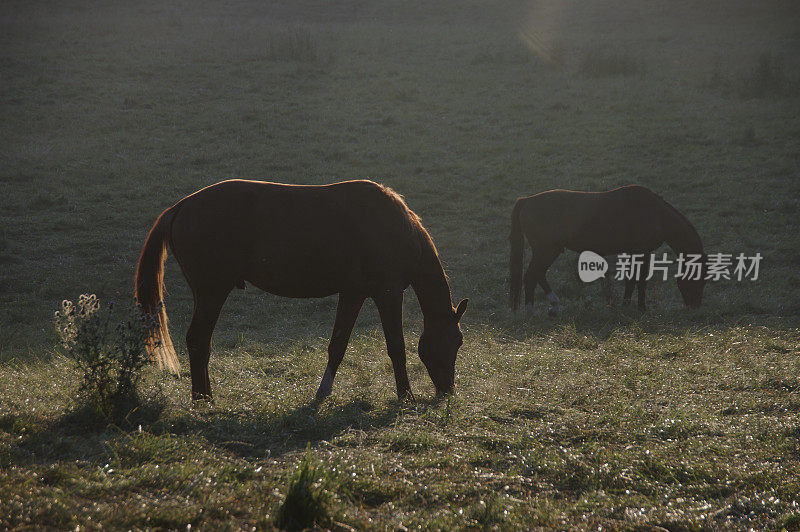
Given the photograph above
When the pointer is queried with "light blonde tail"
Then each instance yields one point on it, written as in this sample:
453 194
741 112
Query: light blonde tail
149 286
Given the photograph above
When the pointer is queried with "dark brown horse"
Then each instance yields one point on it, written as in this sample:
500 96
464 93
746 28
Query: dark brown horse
357 239
630 219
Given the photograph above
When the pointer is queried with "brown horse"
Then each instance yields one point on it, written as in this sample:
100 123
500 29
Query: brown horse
357 239
630 219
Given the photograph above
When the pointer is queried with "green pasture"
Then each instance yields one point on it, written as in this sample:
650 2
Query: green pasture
112 111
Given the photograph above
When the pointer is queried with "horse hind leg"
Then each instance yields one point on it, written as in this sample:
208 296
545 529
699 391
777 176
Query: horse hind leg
347 309
207 306
640 286
608 287
555 304
544 262
530 287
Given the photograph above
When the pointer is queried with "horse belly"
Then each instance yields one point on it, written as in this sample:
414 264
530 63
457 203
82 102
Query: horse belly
610 235
295 278
286 288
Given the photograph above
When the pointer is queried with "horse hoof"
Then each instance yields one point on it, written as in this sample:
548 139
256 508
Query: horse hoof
406 397
203 402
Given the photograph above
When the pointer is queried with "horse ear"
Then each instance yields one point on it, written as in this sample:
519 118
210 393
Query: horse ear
461 309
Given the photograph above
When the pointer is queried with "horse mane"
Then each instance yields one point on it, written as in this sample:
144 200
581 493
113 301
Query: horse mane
686 226
414 225
413 221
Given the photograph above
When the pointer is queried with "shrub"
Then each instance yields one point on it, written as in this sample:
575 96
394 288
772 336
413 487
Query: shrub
109 352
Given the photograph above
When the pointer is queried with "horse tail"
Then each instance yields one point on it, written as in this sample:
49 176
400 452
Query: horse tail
149 285
517 255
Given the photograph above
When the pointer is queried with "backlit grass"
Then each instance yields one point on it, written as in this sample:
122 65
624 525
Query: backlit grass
634 427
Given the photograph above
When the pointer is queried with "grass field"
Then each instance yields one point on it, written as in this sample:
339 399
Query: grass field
602 417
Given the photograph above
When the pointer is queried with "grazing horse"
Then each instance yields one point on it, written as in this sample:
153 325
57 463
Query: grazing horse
357 239
630 219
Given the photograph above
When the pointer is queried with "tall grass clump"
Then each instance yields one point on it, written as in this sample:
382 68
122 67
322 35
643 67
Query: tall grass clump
109 351
307 498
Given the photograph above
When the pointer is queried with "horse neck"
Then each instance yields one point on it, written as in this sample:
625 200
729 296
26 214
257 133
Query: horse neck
431 286
681 235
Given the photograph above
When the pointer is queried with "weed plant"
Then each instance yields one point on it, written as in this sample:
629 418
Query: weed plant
109 352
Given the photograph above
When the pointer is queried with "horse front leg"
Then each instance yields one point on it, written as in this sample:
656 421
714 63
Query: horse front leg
630 284
347 309
641 284
390 309
640 295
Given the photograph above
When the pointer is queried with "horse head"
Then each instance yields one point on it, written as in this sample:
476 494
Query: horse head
692 289
438 347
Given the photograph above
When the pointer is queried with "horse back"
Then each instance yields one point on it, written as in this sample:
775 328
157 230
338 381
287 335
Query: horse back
296 240
625 219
